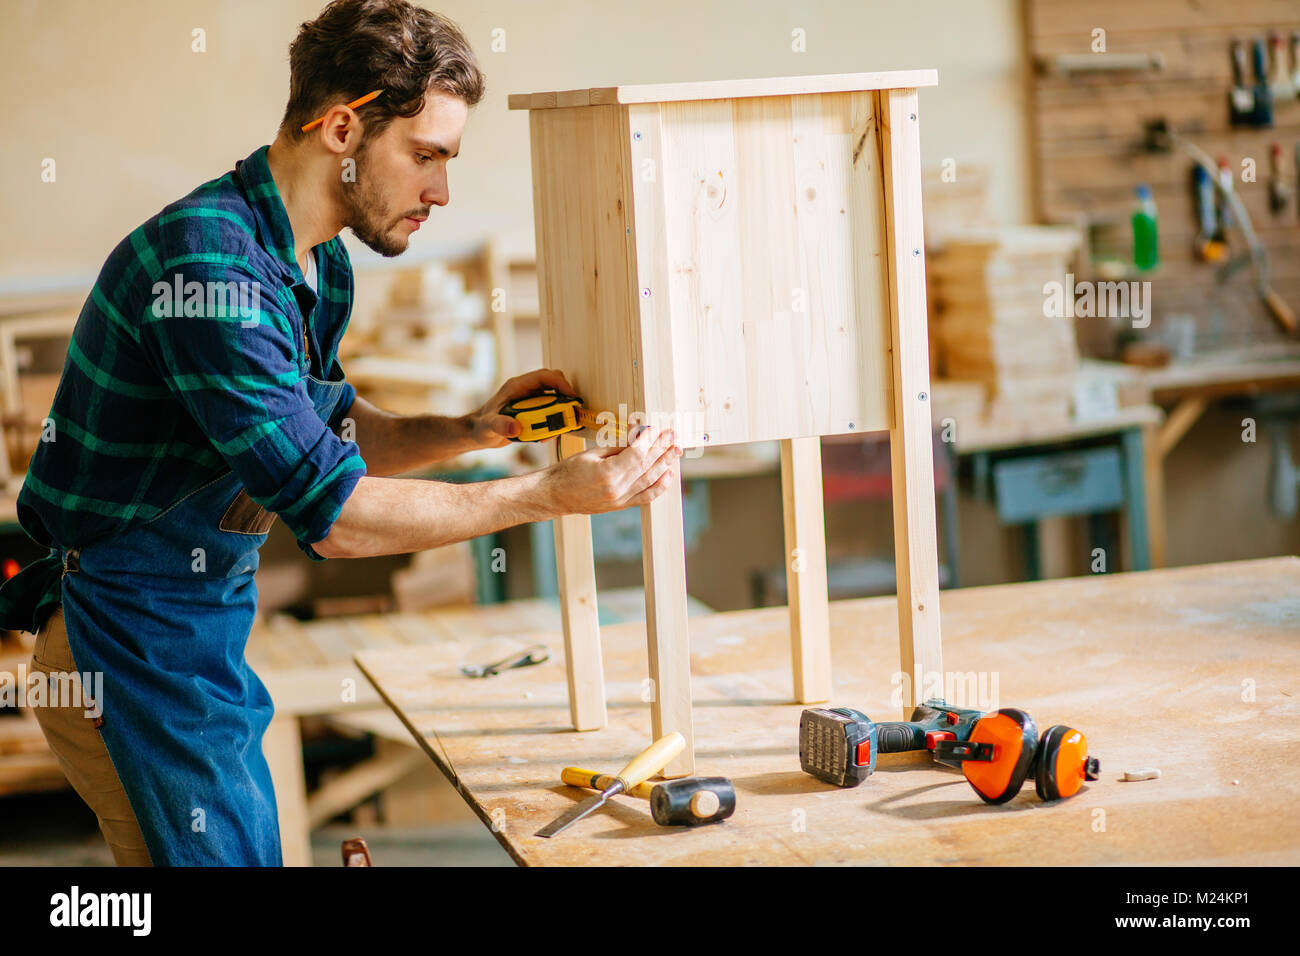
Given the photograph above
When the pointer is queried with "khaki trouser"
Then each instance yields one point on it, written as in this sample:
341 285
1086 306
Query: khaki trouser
80 749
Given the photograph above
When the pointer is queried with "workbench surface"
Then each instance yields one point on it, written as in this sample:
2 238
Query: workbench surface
1195 671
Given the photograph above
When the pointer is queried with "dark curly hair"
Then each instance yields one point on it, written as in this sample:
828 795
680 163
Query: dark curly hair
356 46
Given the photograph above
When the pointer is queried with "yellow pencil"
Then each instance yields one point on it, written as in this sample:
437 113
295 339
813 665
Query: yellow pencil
359 101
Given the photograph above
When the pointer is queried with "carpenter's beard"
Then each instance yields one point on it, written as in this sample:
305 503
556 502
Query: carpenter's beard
369 217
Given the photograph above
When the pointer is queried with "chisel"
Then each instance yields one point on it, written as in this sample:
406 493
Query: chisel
650 761
689 802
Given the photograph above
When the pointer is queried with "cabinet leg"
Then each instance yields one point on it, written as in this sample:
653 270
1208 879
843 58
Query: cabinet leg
576 572
805 568
282 747
663 546
910 444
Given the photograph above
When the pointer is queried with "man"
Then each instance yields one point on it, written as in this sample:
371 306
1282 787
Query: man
200 401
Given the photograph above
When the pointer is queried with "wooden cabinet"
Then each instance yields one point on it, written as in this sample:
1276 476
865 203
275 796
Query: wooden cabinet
740 261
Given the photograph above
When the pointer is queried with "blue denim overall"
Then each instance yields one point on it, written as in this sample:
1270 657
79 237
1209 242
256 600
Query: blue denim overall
164 610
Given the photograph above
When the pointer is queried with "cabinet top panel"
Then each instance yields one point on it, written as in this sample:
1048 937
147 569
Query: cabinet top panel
725 89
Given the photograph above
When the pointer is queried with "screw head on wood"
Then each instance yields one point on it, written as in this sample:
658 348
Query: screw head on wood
911 116
850 426
636 135
921 396
916 252
704 437
645 293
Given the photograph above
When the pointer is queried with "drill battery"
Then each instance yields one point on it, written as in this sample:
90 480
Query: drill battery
840 745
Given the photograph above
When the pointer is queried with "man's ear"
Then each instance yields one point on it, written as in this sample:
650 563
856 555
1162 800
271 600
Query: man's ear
341 131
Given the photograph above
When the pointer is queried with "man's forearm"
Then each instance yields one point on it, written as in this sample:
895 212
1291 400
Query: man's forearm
397 516
392 444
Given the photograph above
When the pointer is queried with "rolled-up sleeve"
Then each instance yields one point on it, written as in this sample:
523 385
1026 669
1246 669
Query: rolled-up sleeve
238 373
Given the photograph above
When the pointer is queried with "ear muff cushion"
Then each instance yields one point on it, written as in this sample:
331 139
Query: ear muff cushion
1062 754
1015 741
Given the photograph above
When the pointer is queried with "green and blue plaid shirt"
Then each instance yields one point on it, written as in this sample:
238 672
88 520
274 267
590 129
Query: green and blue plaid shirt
188 361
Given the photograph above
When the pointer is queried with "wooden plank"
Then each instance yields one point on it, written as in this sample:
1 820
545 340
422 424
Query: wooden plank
30 773
668 628
1111 118
1212 379
663 543
916 555
1154 473
805 567
1195 60
1185 414
576 566
1053 17
1078 651
797 287
583 236
724 89
360 782
985 435
1113 164
282 747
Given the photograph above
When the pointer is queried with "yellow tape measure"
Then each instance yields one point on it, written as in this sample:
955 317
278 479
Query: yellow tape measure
547 414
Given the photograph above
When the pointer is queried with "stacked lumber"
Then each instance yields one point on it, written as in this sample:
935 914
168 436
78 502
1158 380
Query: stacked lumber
955 200
429 351
437 578
990 318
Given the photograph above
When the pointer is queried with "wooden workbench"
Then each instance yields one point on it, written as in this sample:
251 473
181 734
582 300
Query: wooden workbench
1188 387
1152 666
308 669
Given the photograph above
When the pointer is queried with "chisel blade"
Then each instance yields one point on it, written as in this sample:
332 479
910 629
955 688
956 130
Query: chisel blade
570 817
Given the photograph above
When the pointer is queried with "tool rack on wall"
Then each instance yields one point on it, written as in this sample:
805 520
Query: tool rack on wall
1092 119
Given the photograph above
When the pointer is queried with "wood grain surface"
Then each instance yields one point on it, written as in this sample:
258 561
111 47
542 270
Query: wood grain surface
1192 670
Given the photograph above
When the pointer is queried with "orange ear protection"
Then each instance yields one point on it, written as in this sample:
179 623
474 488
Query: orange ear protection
1004 749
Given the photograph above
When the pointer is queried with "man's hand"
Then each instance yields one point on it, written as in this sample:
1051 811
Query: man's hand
489 428
607 479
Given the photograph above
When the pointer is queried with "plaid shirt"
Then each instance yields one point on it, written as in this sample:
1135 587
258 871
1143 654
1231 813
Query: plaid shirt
169 383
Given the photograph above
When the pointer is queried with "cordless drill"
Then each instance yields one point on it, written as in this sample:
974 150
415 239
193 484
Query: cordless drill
840 745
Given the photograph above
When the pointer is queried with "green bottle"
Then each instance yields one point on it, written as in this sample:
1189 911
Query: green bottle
1146 247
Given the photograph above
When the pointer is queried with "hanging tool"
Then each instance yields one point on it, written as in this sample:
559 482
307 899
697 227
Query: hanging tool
644 765
1004 749
536 654
1258 254
1279 77
548 413
840 746
1241 101
1295 62
1278 194
1223 205
1263 114
1209 244
689 802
